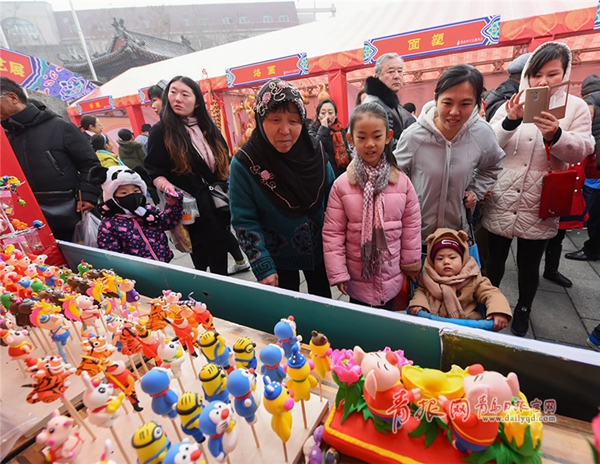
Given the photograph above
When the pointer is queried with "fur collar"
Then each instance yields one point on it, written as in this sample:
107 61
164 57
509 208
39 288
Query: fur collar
394 174
373 86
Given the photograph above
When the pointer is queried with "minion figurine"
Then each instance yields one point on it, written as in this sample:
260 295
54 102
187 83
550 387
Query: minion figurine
214 383
189 406
299 368
215 350
244 351
150 443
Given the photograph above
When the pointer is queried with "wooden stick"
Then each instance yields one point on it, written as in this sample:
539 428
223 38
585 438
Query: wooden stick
304 414
20 363
228 461
76 331
116 437
75 415
103 323
193 367
35 347
255 436
40 341
177 429
71 355
141 417
124 406
143 362
284 452
320 390
181 384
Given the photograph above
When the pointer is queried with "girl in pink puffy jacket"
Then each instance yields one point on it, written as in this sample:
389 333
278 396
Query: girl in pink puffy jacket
372 231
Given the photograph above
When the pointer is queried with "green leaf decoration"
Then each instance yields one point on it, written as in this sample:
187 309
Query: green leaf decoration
382 426
594 451
420 430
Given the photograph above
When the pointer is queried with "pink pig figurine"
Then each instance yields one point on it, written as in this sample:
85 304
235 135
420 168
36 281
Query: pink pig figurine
63 440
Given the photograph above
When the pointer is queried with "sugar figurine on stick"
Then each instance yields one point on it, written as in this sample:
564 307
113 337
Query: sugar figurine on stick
320 350
172 356
96 350
214 383
18 344
156 383
151 444
271 357
215 350
117 373
244 352
301 380
189 407
279 402
62 439
242 385
47 316
285 331
108 450
216 421
184 453
102 406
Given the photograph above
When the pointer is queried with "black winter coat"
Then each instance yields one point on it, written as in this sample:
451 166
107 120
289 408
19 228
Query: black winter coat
211 226
56 159
496 98
323 135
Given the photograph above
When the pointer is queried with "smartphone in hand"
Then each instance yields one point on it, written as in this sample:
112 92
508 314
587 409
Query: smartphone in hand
551 99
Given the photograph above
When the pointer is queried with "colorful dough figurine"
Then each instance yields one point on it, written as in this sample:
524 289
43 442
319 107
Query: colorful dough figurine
185 332
189 407
183 453
301 380
214 383
117 373
50 374
97 350
384 394
202 315
320 350
285 331
171 353
63 440
215 350
244 352
279 403
241 383
312 447
217 422
150 344
271 357
151 444
52 322
487 395
108 450
102 406
17 341
157 318
156 384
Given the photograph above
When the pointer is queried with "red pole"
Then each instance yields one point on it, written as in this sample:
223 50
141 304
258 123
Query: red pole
338 90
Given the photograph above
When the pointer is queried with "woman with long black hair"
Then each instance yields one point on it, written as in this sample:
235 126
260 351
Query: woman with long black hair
186 149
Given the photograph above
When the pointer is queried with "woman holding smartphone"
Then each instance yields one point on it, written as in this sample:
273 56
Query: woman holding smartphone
513 207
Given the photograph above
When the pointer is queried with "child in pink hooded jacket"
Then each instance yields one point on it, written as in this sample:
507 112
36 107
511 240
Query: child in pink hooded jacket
372 230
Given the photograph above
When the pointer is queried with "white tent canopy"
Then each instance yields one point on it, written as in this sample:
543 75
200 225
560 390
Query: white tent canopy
333 35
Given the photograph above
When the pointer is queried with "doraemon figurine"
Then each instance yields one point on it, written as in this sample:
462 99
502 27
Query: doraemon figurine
183 453
242 384
285 331
189 407
156 383
271 356
215 350
245 357
150 443
214 383
216 422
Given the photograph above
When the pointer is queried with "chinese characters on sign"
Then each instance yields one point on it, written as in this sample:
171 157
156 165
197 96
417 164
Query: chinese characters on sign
96 105
289 66
451 37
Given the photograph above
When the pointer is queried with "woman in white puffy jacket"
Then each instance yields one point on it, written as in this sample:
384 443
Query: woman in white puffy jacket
513 209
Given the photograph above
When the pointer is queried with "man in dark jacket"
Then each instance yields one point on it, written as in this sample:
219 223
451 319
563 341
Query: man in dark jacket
496 97
383 88
55 157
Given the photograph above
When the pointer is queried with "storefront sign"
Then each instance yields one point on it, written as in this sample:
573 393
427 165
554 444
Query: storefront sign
451 37
143 94
289 66
96 105
35 74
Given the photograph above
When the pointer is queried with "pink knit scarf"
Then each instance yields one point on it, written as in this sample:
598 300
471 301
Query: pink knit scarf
373 181
199 142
